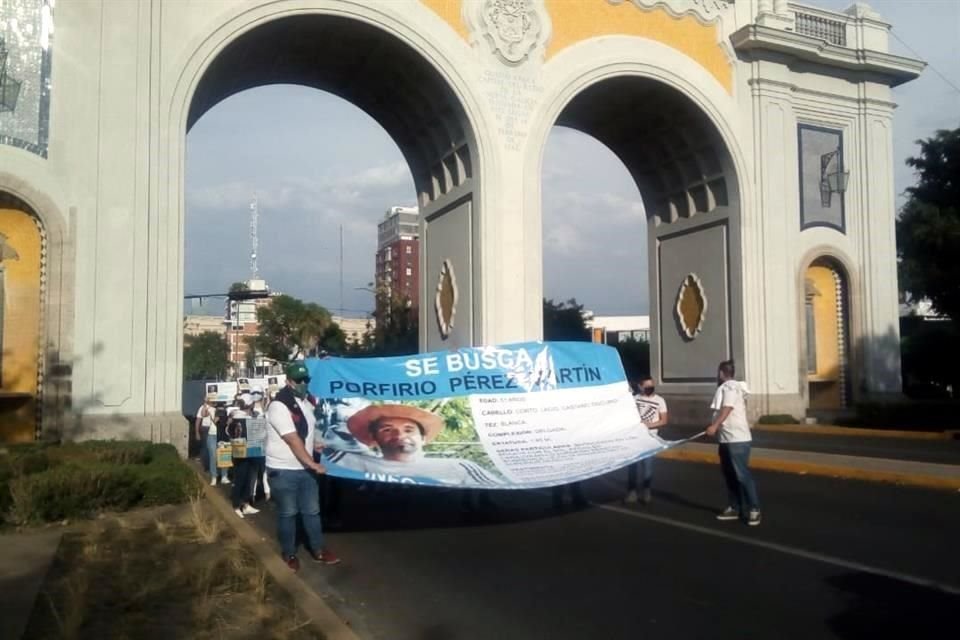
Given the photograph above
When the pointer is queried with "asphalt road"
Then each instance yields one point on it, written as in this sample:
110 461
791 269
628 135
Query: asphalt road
936 451
832 559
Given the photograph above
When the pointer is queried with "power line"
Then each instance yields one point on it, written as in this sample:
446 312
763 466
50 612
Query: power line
932 68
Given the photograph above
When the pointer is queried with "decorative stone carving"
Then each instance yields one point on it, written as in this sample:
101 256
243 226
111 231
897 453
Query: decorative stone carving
513 29
691 307
705 10
445 301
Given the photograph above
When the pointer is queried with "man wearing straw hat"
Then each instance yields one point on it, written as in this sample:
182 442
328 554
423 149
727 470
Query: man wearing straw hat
400 433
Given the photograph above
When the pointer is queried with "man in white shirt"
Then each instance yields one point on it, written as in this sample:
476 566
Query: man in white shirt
733 432
399 433
653 414
291 468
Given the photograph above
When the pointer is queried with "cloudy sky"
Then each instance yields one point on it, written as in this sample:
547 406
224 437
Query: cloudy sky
317 164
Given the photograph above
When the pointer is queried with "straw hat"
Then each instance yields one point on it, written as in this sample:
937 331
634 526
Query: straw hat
359 423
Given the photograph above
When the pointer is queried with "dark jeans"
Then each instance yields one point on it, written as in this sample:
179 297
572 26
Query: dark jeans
735 464
296 492
645 466
258 467
576 494
240 493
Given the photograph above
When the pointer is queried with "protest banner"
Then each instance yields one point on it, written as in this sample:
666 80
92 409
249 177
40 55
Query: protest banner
519 416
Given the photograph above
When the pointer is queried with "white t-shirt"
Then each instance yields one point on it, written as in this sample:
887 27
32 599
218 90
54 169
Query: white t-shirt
456 471
735 428
280 423
206 419
651 408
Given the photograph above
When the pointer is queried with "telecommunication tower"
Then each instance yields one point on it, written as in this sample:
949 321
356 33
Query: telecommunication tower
254 241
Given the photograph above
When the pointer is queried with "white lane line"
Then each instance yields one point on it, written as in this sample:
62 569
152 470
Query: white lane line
782 548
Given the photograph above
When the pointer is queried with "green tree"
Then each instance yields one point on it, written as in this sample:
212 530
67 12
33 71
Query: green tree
564 321
928 227
395 330
205 356
237 287
334 340
290 328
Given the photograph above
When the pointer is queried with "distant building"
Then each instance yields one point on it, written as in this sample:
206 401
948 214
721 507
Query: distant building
240 325
398 254
616 329
355 328
195 325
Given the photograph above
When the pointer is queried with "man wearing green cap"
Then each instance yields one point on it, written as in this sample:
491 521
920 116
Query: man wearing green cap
291 468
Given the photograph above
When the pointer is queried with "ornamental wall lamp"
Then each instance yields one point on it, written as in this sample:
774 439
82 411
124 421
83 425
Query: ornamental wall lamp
9 88
833 179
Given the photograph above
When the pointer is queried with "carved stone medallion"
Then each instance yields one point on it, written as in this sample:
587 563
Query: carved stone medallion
691 306
512 28
445 301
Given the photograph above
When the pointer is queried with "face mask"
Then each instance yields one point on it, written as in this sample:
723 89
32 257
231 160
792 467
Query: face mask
300 389
647 391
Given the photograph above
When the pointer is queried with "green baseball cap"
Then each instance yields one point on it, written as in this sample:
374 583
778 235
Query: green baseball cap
297 371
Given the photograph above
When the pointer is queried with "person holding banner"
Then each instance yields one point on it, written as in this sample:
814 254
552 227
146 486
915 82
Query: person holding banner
653 414
400 432
291 469
733 432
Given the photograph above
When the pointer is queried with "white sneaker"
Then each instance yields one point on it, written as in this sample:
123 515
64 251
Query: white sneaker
224 480
238 512
213 482
249 510
753 518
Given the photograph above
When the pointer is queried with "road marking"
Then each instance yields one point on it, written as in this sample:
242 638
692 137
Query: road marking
782 548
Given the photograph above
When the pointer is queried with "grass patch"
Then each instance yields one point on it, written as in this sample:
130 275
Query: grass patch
176 576
49 482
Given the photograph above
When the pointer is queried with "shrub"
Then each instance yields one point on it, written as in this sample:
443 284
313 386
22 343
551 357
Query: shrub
77 480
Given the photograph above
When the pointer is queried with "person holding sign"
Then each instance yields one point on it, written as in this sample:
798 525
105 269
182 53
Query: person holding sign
400 432
653 414
291 469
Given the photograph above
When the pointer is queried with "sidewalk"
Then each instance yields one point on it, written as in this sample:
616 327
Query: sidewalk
25 560
906 472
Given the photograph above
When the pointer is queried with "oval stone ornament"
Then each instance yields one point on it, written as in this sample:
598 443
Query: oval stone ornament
445 301
691 306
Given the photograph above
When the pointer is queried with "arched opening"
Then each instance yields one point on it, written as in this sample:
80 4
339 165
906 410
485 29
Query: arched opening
404 93
825 320
22 265
684 173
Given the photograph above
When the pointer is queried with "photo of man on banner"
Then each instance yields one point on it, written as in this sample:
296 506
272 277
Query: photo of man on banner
395 436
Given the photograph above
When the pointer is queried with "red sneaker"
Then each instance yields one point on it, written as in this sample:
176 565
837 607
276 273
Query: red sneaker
325 557
293 563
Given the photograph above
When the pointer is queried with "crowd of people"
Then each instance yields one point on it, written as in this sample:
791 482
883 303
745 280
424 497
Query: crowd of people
288 467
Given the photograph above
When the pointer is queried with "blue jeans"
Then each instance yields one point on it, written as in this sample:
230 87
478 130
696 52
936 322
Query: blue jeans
296 492
735 464
211 451
646 468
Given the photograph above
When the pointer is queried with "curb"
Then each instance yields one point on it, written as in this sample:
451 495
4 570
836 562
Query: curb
322 618
833 430
819 469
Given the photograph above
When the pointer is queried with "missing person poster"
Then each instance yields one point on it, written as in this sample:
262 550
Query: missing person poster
518 416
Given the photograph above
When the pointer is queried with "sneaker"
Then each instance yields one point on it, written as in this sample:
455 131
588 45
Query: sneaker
293 563
213 482
647 496
325 557
249 510
753 519
728 514
238 512
631 497
224 480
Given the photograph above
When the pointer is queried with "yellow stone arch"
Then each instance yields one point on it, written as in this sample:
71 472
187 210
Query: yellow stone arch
21 247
